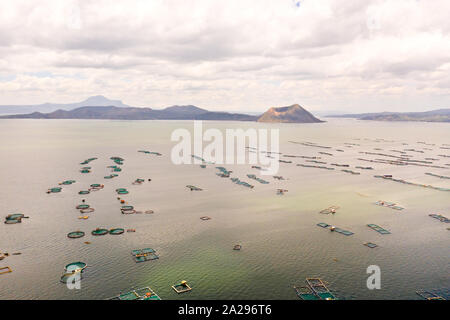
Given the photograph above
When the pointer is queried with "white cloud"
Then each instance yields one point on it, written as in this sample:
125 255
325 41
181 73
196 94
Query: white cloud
353 55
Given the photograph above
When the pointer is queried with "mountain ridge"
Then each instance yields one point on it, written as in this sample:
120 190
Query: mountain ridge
97 100
100 107
438 115
133 113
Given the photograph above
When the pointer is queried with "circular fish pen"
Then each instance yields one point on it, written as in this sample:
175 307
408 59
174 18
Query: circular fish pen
116 231
83 192
122 191
138 181
127 208
71 277
87 210
13 221
99 232
14 218
74 266
75 234
68 182
128 211
97 186
83 206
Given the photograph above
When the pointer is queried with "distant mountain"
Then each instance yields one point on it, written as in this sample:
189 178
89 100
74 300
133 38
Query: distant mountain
291 114
440 115
132 113
49 107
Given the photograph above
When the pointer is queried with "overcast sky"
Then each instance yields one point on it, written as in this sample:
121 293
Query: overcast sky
327 55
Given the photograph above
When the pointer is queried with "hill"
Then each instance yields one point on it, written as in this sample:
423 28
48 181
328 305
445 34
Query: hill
291 114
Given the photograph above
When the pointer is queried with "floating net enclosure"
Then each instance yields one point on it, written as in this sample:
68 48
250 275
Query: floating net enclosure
71 277
13 221
122 191
305 293
142 255
378 228
68 182
14 218
75 266
116 231
181 287
5 270
329 210
138 294
99 232
75 234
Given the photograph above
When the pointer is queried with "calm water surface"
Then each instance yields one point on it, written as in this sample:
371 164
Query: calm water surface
281 243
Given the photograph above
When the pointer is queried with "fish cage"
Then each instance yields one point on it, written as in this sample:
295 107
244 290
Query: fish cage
378 228
54 190
142 255
5 270
181 287
305 293
99 232
139 294
73 266
116 231
72 277
370 245
75 234
68 182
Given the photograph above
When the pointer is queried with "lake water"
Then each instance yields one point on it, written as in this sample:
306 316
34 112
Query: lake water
281 243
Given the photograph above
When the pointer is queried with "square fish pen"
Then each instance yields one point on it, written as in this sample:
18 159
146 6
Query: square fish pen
320 289
329 210
387 204
305 293
378 228
181 287
440 217
139 294
335 229
142 255
5 270
429 295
